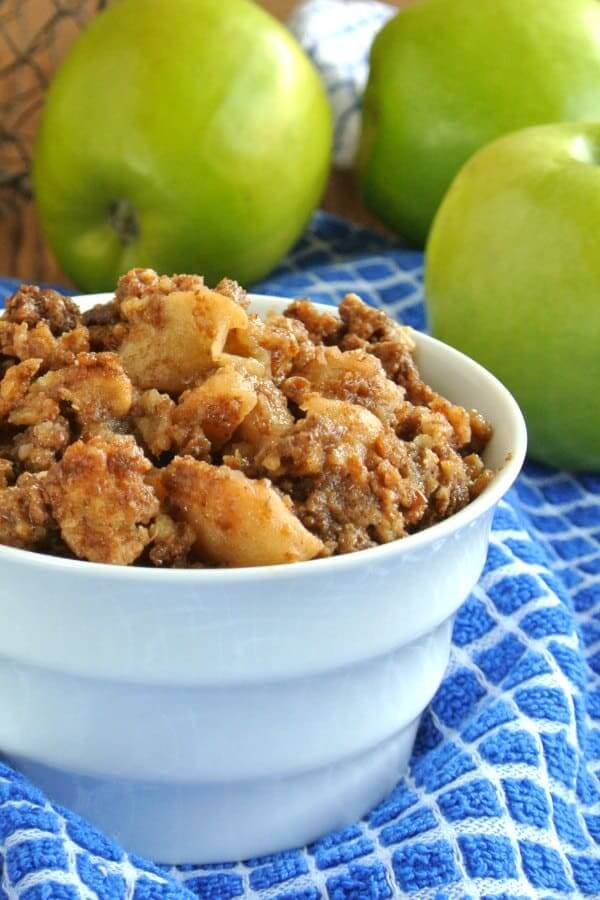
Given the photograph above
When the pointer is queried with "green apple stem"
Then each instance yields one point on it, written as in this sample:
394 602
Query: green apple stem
124 220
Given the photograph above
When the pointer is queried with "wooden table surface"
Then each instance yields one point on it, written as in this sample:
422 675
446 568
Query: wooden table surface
33 38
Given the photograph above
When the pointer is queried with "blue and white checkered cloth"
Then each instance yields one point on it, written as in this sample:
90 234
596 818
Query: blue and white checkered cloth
337 35
502 799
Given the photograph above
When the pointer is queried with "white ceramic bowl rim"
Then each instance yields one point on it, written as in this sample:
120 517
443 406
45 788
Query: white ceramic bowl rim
497 488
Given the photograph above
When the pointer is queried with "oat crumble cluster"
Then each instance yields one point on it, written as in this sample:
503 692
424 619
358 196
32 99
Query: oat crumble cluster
173 427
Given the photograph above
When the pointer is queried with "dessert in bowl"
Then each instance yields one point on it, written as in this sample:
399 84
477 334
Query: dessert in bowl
205 700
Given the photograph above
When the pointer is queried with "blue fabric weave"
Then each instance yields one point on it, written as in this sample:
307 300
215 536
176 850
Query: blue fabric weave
502 799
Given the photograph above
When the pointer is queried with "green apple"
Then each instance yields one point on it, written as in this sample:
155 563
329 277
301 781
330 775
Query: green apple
187 136
448 76
512 278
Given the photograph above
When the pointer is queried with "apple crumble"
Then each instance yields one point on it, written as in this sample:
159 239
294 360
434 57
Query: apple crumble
174 427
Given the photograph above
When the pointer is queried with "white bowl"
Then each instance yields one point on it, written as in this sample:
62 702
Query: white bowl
214 715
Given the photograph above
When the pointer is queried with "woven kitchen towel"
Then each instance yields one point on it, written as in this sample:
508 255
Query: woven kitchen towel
337 35
502 799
